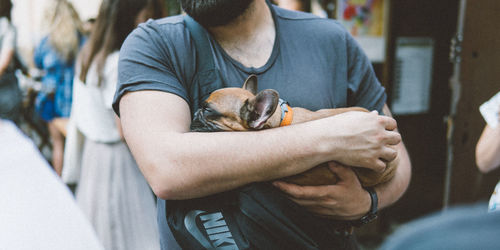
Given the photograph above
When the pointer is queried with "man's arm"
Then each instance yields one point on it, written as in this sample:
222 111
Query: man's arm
347 200
392 190
179 164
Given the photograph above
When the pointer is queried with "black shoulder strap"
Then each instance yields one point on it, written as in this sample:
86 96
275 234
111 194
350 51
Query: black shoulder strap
204 57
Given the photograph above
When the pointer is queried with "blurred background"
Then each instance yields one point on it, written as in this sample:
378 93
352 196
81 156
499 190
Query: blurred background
438 60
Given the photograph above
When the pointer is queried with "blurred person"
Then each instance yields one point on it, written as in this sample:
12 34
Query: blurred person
319 66
464 227
10 93
87 26
488 148
488 157
111 190
37 210
55 55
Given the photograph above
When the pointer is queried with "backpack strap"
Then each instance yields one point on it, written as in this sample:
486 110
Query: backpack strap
204 56
207 76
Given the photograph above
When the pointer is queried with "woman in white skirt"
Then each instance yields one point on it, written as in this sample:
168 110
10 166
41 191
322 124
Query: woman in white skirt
111 191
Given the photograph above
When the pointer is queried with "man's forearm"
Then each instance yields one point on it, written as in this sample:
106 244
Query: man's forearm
200 164
179 164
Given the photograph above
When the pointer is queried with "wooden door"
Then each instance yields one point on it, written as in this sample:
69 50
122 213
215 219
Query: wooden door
478 73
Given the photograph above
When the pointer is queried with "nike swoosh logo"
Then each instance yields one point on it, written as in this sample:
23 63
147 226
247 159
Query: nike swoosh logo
190 224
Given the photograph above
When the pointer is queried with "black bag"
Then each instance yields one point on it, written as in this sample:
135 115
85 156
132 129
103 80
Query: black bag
256 216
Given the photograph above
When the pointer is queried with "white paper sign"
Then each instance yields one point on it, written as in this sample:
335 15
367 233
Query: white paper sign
412 76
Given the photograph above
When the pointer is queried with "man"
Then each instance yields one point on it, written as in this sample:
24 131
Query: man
311 62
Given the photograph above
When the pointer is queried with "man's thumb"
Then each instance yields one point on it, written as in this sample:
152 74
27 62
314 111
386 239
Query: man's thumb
343 172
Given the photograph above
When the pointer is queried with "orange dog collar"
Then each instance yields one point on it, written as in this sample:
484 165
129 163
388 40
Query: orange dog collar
286 113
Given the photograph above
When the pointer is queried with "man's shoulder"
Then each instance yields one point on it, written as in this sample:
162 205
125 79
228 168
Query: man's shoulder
310 22
294 15
170 20
162 25
165 33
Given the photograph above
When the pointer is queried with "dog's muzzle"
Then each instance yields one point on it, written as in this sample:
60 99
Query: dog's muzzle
201 124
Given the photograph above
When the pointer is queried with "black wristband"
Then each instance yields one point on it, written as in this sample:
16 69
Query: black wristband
372 214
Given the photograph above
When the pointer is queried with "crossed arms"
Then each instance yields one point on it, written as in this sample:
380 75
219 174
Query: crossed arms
179 164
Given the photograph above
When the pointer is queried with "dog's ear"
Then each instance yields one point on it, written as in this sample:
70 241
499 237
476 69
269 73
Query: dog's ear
258 109
251 84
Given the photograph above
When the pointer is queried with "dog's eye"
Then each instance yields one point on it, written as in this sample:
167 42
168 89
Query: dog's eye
211 114
208 112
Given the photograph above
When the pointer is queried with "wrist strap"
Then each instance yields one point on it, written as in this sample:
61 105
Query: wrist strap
374 198
372 213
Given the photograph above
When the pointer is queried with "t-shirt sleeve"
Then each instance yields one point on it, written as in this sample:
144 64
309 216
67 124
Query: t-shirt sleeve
364 89
146 64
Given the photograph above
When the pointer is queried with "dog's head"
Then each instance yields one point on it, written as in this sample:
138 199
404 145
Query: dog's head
236 109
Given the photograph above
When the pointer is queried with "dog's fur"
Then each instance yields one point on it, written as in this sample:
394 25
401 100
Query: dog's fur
243 109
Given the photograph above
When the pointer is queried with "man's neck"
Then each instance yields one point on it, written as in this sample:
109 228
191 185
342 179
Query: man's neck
250 38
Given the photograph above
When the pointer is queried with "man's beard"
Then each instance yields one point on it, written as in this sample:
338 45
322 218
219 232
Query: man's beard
212 13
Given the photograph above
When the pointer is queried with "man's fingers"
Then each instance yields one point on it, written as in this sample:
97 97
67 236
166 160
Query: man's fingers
344 173
305 202
301 192
316 207
388 122
379 166
393 138
389 154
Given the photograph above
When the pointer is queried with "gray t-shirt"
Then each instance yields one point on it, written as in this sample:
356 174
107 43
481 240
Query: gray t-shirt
314 64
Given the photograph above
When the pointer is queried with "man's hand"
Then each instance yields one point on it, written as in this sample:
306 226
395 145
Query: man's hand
367 139
346 200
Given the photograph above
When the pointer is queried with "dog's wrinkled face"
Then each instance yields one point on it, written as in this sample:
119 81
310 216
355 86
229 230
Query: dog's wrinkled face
236 109
221 115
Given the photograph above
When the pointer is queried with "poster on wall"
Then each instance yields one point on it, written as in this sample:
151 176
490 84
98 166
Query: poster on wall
412 83
366 20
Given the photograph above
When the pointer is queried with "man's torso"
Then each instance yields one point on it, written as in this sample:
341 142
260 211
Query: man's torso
311 66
